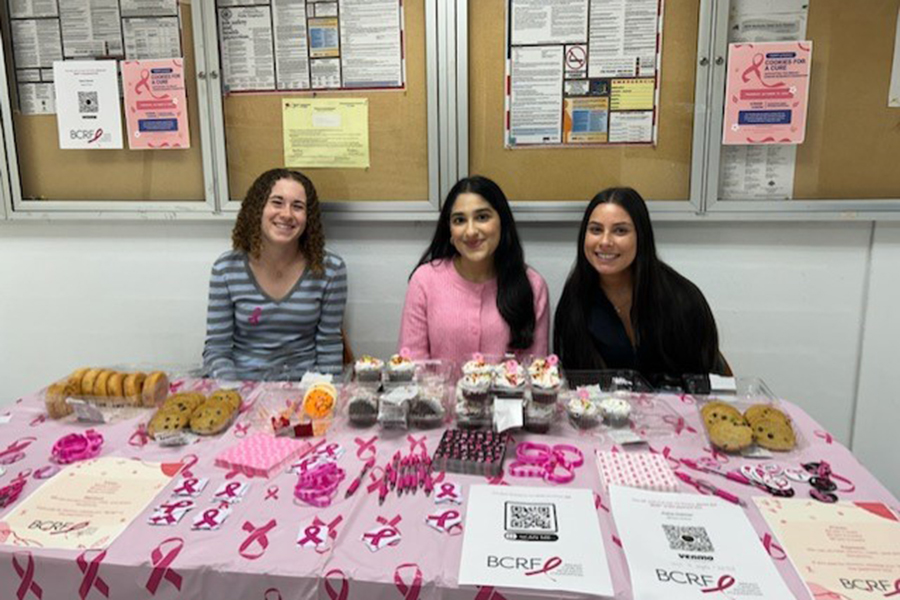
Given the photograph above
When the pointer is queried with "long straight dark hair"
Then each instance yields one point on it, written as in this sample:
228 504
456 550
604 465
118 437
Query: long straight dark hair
515 298
669 314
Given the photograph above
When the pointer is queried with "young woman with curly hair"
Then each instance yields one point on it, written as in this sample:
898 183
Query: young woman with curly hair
276 301
472 291
624 308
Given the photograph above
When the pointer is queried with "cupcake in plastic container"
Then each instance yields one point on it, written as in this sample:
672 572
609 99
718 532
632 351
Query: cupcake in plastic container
368 368
475 388
583 411
509 379
616 411
538 417
401 367
478 366
543 373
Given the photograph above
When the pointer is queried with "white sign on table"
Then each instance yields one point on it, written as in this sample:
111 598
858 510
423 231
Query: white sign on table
534 538
686 546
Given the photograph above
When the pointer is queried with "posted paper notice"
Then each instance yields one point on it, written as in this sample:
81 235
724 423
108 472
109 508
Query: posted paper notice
88 113
155 104
326 133
766 96
534 538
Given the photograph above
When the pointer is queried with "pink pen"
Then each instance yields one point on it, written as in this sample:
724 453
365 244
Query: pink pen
705 486
732 475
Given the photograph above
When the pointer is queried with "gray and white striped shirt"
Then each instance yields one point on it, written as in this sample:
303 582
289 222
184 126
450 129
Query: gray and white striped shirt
251 336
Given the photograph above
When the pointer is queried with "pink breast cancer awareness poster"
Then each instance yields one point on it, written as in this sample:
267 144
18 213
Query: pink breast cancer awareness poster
767 93
155 104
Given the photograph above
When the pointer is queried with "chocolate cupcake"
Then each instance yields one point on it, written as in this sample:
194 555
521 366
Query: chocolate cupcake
538 417
400 368
368 368
583 412
616 411
543 373
509 380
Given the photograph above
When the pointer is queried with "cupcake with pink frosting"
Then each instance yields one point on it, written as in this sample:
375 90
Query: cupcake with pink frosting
543 373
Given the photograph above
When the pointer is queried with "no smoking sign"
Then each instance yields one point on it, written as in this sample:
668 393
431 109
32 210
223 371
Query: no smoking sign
576 61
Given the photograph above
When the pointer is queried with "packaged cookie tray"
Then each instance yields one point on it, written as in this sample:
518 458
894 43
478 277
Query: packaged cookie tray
203 409
750 428
424 371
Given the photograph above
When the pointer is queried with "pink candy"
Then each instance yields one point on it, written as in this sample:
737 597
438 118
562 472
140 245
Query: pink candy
75 446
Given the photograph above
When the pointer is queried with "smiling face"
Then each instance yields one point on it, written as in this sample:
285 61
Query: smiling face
474 228
610 242
284 215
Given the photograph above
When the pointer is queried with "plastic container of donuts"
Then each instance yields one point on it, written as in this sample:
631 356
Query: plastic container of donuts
753 429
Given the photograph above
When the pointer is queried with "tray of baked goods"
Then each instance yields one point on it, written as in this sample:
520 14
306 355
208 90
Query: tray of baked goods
106 387
751 428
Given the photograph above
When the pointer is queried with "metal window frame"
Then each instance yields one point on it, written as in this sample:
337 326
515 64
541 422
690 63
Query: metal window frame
569 210
437 121
767 210
18 208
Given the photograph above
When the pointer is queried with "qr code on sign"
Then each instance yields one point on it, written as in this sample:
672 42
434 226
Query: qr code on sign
87 102
530 518
691 539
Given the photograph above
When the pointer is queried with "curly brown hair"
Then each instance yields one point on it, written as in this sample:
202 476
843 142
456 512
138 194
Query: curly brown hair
247 233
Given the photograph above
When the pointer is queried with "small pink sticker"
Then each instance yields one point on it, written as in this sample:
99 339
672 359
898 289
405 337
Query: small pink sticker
478 357
405 353
553 360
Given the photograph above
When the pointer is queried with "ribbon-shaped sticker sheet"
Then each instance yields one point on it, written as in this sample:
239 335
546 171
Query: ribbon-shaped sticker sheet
386 534
190 486
231 492
446 521
448 493
211 518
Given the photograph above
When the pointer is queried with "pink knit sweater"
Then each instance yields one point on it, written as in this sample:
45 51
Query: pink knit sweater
450 318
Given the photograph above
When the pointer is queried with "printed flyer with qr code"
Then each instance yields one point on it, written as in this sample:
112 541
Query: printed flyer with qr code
88 111
534 538
687 546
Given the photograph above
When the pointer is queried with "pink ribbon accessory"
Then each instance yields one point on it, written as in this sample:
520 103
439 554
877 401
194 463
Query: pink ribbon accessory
190 486
386 534
212 518
448 492
318 486
554 464
231 492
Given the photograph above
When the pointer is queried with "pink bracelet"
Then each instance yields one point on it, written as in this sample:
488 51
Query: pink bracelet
540 460
75 446
318 486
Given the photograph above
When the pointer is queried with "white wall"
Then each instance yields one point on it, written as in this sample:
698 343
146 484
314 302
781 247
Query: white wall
790 300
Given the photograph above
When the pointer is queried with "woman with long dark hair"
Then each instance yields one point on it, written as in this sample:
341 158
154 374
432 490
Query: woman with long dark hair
472 291
276 300
622 307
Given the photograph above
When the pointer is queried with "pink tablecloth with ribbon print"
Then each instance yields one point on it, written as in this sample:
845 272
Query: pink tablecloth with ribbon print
255 554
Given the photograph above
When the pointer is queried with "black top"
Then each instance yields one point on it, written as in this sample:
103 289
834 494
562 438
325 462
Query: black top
610 338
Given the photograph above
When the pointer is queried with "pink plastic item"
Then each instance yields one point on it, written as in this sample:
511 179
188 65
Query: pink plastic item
555 464
318 486
261 455
75 446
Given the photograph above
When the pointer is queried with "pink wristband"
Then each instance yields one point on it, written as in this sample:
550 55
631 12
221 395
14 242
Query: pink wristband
75 446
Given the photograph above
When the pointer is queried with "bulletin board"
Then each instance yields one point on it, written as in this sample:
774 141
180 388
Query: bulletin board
49 173
852 147
539 174
398 134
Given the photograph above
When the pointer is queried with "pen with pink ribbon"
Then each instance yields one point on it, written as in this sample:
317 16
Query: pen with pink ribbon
706 466
704 487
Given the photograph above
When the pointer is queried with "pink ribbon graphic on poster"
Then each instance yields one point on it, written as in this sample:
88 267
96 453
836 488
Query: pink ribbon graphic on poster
767 94
155 104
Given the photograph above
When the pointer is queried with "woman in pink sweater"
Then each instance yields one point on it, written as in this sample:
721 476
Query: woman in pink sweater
472 291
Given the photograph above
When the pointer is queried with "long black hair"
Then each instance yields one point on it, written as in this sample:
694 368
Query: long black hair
670 317
515 298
